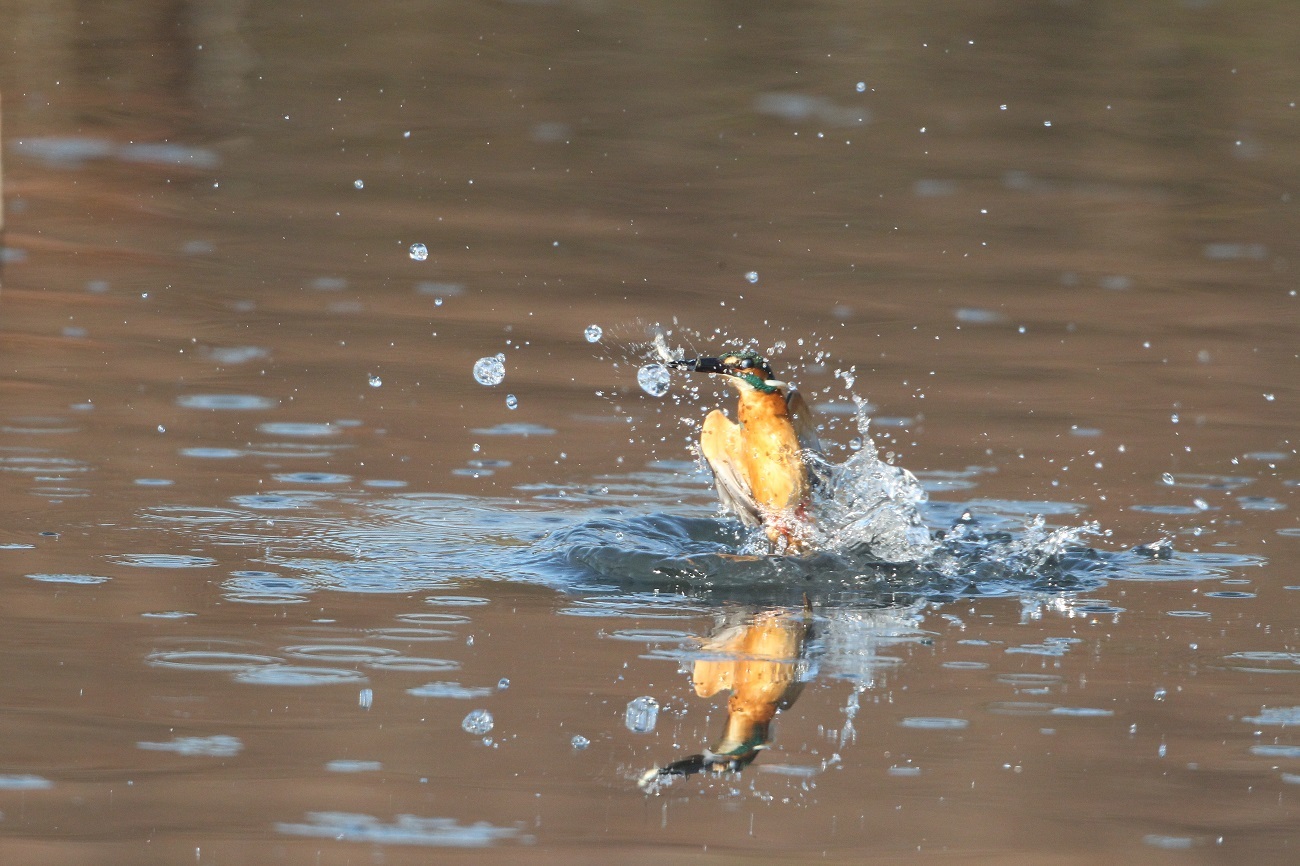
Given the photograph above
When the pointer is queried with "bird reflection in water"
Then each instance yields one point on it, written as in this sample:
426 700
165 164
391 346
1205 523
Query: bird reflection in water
761 658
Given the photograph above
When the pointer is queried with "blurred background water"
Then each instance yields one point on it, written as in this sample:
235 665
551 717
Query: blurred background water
285 583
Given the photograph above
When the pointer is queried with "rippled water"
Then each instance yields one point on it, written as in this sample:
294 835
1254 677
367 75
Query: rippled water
350 511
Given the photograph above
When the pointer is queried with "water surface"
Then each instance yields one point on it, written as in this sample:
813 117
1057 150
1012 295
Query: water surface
286 583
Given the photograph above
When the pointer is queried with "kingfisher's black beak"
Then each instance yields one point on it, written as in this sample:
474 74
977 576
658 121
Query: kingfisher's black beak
700 365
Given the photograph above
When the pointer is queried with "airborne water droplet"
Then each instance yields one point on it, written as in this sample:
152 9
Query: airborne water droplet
375 381
359 183
512 402
419 252
593 333
752 276
490 370
642 713
579 742
654 379
478 722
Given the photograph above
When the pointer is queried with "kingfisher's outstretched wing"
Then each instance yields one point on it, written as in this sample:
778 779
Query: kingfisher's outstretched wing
720 444
805 422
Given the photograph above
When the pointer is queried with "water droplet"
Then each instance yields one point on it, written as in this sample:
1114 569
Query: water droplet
861 87
503 683
490 370
1167 478
419 252
654 379
1270 397
512 402
752 277
375 381
593 333
437 302
579 742
478 722
642 713
359 183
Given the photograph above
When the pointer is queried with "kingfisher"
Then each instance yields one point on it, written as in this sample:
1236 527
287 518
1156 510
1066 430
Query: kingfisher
759 461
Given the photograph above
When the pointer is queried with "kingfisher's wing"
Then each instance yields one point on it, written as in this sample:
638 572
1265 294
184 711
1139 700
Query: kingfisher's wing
720 444
805 422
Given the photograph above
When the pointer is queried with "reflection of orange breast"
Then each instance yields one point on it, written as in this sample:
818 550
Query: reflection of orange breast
770 457
763 671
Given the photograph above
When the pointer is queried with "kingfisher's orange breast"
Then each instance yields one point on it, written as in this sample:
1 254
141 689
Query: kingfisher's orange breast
770 454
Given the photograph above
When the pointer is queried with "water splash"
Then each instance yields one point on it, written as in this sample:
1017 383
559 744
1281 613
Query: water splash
866 504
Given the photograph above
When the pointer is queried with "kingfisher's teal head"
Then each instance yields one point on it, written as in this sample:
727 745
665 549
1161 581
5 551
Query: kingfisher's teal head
747 369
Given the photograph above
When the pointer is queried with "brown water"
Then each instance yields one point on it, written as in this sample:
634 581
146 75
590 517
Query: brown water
266 543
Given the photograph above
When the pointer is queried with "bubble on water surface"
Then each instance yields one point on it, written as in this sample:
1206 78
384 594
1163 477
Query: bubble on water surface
313 478
934 723
435 618
579 742
1169 843
490 370
651 635
654 379
24 782
305 429
454 690
289 500
979 316
205 453
419 252
411 634
83 579
1282 716
209 660
1082 712
344 765
514 430
229 402
294 675
456 600
339 653
405 830
414 664
593 333
1019 708
478 722
641 715
162 560
216 746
